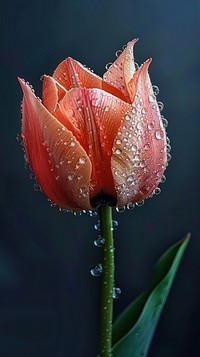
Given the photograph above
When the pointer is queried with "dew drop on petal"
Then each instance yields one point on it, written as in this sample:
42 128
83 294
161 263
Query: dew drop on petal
118 151
151 98
120 209
130 206
161 106
158 135
118 53
140 204
163 179
155 90
108 65
157 191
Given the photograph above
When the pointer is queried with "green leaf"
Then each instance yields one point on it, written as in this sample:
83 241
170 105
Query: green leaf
134 328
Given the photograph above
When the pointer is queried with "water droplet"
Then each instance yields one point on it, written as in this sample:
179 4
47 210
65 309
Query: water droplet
118 53
161 106
120 209
130 206
164 121
73 143
140 204
99 242
108 65
158 135
163 179
106 109
146 147
118 142
150 126
130 178
115 225
70 176
37 187
96 270
155 90
97 226
169 156
116 293
118 151
82 160
127 117
157 191
152 98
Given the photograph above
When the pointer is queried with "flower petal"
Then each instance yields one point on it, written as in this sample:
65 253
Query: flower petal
94 117
52 92
59 162
122 70
72 74
139 156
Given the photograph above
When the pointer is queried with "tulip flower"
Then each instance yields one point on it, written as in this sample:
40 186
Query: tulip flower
91 140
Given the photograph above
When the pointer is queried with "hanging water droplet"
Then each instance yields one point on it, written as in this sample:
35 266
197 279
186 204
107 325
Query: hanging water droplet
99 242
97 226
155 90
161 106
169 156
163 179
130 178
139 204
130 206
157 191
108 65
120 209
115 225
118 53
116 293
164 121
96 270
37 187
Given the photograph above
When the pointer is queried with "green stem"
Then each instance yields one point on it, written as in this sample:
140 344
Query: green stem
105 216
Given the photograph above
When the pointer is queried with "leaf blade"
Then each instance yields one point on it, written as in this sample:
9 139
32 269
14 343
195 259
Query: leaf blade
134 328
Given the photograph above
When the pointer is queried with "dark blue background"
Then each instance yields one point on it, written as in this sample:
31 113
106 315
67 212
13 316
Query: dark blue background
49 303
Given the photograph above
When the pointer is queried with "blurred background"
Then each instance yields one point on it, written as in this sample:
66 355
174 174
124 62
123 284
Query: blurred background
49 302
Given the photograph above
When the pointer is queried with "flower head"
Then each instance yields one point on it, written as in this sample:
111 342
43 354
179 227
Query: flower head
92 140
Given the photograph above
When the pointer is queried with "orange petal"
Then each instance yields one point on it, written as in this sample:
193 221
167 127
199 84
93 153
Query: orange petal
94 117
60 164
52 92
139 155
72 74
122 70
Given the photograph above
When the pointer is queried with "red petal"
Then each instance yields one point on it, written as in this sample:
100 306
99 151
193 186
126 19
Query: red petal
139 157
60 164
94 117
122 70
72 74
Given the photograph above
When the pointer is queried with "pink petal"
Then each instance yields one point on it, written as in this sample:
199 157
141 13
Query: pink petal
52 92
59 162
122 70
72 74
94 117
139 155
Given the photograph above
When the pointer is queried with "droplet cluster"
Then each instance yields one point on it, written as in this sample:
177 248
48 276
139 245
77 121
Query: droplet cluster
142 133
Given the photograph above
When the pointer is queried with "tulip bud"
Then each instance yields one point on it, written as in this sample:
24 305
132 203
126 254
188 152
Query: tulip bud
93 141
